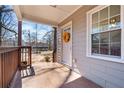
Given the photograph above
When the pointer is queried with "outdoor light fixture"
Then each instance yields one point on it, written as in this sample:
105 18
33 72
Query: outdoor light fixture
113 23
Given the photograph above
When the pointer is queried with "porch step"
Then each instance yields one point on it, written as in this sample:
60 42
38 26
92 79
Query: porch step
27 72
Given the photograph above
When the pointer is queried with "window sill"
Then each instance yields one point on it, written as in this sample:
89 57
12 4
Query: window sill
112 59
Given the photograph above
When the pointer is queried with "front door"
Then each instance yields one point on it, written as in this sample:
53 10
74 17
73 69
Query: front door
67 45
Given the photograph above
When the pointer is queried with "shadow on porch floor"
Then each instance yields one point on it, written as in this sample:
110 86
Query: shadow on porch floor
55 75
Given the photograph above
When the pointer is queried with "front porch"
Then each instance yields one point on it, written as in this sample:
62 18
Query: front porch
53 75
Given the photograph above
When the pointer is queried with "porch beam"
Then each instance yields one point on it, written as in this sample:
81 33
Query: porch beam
39 20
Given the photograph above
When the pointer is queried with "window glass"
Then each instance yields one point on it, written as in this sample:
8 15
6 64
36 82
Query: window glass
104 49
104 14
114 10
115 49
104 37
95 18
95 38
114 22
95 48
104 25
115 36
95 28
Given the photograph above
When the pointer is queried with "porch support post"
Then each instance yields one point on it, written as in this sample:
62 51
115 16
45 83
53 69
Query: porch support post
55 44
19 41
19 33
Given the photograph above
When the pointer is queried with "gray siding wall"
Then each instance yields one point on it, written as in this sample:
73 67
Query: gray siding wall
105 73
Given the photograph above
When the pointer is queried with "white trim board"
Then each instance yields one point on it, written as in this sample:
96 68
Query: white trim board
69 23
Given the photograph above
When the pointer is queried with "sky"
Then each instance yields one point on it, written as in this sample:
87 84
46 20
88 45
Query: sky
42 29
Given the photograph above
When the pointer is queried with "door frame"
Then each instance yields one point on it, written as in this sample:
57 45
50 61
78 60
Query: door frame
63 26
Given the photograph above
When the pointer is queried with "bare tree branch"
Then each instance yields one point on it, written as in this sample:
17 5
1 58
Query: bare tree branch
9 29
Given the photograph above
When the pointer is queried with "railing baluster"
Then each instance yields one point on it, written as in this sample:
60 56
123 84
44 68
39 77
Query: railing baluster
26 56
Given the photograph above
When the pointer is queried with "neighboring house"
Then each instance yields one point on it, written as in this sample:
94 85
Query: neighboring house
39 46
9 43
95 48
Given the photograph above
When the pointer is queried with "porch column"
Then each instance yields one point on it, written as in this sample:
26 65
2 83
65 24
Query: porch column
19 41
55 44
19 33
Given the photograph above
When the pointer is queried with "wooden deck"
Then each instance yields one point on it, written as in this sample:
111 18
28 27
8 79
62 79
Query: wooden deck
54 75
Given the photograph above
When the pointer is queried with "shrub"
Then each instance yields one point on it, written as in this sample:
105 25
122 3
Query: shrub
47 58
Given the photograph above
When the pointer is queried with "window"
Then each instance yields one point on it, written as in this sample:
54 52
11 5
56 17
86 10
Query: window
105 31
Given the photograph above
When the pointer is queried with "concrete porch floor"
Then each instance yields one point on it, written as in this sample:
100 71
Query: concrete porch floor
55 75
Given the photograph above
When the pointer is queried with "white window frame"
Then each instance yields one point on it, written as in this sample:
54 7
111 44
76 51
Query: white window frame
89 29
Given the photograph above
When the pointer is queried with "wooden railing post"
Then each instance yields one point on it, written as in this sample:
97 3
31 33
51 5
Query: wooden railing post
30 57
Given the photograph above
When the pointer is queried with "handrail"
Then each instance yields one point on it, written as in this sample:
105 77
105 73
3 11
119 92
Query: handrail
7 49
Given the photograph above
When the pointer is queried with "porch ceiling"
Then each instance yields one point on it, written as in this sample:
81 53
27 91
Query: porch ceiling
48 14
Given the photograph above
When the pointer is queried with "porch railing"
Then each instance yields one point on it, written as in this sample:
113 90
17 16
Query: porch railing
25 56
10 60
8 65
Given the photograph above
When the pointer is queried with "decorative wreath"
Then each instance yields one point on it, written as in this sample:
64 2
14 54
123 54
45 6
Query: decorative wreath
66 36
